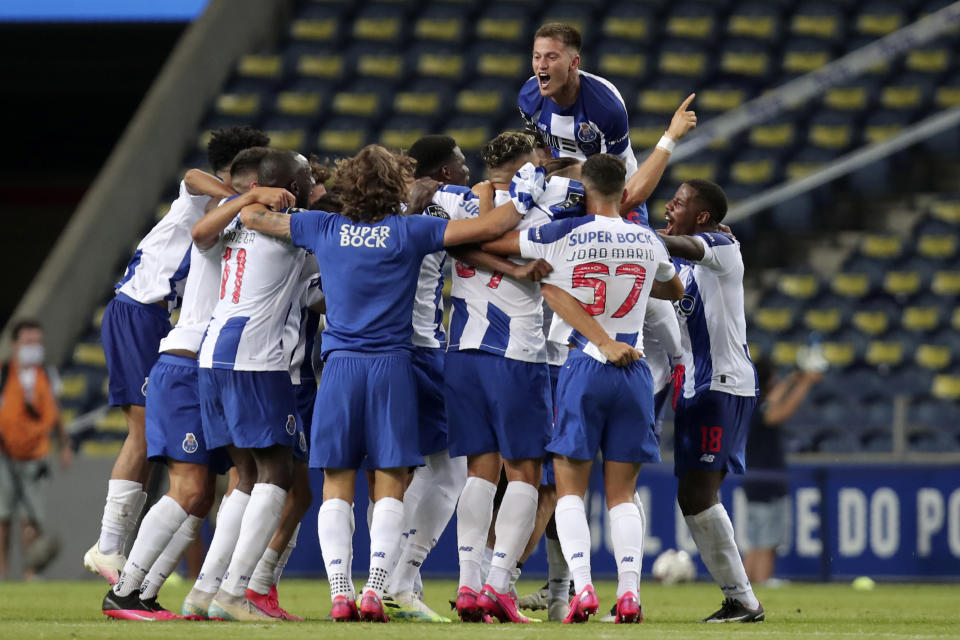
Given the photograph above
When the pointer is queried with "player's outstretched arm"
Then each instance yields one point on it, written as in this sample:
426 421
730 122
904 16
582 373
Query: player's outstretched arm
485 194
642 183
567 307
201 183
482 228
256 217
686 247
208 228
670 290
474 256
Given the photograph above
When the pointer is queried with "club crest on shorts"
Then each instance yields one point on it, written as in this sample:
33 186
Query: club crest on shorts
190 444
143 389
303 441
291 424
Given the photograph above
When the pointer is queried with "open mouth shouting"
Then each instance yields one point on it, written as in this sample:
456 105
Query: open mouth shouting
669 219
543 80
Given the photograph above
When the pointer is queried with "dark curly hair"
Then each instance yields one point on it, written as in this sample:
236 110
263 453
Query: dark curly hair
373 184
506 147
321 170
225 144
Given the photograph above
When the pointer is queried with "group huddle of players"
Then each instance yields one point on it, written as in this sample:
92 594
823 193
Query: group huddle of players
497 417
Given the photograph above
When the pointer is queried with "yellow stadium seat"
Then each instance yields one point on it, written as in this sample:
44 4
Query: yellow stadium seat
720 99
238 104
871 322
89 354
875 133
823 320
292 139
814 25
901 283
107 449
382 29
937 246
754 349
417 103
798 285
920 318
260 66
626 28
341 140
380 66
98 318
753 172
946 283
491 28
113 421
955 319
946 210
444 29
660 100
878 24
470 138
932 356
297 103
839 354
877 246
321 65
831 136
356 103
846 98
683 63
850 285
772 135
804 61
947 97
798 169
479 102
884 353
928 60
314 29
73 387
440 65
946 387
901 97
502 64
400 138
693 170
622 64
67 416
645 137
785 353
773 319
748 26
751 63
689 26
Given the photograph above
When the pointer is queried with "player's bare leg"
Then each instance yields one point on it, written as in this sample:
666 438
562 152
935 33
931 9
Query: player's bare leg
710 526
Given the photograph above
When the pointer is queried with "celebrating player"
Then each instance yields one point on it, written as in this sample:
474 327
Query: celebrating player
719 386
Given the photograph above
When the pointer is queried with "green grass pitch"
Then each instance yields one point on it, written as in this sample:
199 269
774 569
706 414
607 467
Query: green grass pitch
41 610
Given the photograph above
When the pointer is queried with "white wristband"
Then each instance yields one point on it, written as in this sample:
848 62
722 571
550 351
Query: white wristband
666 143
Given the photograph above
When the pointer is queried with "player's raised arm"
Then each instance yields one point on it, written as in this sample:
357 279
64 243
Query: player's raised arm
642 183
568 308
256 217
670 290
206 231
535 270
201 183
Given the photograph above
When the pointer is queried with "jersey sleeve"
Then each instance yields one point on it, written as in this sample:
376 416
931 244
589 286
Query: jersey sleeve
712 258
426 233
305 228
529 100
665 267
458 203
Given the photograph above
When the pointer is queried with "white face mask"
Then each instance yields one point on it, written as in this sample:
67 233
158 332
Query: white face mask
30 355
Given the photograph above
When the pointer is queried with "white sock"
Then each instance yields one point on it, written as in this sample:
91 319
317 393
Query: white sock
160 523
119 512
262 578
626 531
474 513
170 557
558 574
353 529
515 521
643 516
224 540
485 564
574 536
260 521
285 556
713 532
443 483
335 531
370 505
384 543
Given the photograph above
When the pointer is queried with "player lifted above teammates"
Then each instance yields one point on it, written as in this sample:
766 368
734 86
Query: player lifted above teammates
719 386
580 113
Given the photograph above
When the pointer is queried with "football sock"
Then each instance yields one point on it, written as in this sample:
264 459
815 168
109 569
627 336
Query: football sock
259 523
384 542
262 578
485 564
119 514
160 523
224 540
515 522
558 574
335 531
713 532
170 557
626 531
285 556
474 512
574 536
431 514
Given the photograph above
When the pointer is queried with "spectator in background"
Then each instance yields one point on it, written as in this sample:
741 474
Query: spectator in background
768 501
28 415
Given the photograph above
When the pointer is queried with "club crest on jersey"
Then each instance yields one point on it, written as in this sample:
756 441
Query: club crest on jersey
436 211
586 132
291 424
687 304
190 444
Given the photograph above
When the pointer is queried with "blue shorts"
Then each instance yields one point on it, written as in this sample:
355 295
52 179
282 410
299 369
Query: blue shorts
547 478
174 425
710 432
250 409
658 401
605 408
428 369
366 416
131 333
496 404
306 395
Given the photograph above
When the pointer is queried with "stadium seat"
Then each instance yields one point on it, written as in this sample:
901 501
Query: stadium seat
759 20
947 209
380 22
883 247
879 18
804 55
645 130
920 318
933 356
808 160
854 95
818 20
286 137
488 97
800 286
629 21
932 58
443 23
872 322
238 104
343 135
940 247
746 58
381 64
947 94
704 166
266 67
884 353
946 387
299 103
883 125
785 353
831 130
664 95
326 64
902 283
683 58
909 92
692 20
823 320
774 319
774 134
318 24
620 58
577 14
505 22
438 62
494 60
400 132
840 354
851 285
946 283
470 132
755 168
720 97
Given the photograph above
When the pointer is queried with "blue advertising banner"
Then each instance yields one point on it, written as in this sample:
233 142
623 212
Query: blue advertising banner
885 521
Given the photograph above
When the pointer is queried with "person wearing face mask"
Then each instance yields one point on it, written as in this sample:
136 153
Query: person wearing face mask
28 415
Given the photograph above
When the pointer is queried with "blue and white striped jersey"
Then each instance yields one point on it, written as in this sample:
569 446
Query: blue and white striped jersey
608 265
596 123
302 322
162 259
199 300
712 323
